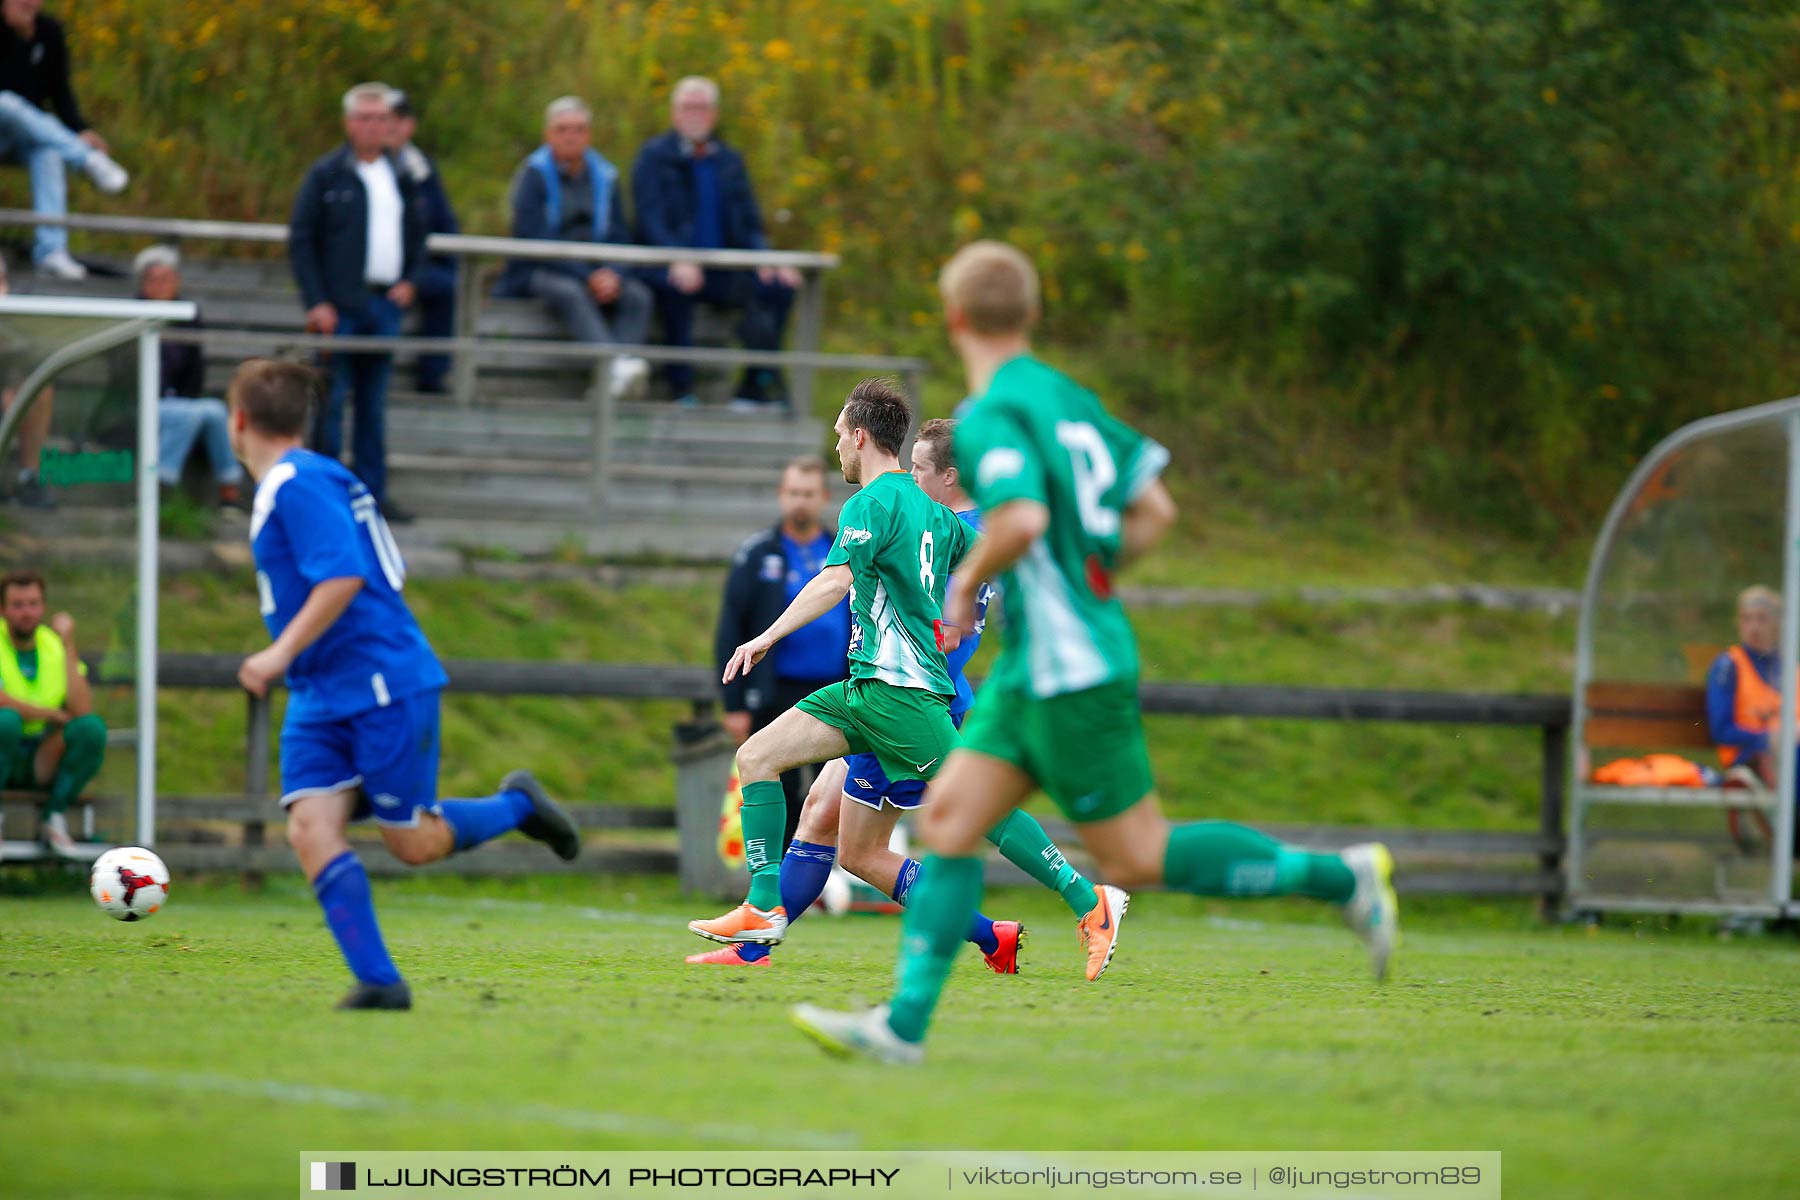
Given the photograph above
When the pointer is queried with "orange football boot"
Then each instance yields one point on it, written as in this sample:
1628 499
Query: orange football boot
1099 930
745 923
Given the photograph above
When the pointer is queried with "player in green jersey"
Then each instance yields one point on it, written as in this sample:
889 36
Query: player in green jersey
1070 495
895 550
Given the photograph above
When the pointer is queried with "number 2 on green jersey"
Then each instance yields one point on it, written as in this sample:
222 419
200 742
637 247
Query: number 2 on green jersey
1095 472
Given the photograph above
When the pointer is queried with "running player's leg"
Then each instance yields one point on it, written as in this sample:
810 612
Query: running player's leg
1106 788
1023 842
321 793
869 857
795 738
804 868
966 799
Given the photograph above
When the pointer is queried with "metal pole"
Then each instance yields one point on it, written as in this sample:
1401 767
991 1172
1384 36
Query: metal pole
1550 818
601 397
809 323
1781 868
256 781
149 372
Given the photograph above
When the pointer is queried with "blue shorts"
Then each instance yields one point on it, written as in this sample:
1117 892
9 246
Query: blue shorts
389 755
868 785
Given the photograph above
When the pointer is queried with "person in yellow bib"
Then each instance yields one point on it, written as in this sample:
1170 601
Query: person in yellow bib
50 737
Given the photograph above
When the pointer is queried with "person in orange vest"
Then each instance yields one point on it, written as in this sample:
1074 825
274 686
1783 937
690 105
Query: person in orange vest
1743 688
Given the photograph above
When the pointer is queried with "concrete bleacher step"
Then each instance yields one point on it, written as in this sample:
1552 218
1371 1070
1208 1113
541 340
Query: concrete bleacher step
616 537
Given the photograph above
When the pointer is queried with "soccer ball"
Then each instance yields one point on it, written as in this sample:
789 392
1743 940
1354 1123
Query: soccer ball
129 883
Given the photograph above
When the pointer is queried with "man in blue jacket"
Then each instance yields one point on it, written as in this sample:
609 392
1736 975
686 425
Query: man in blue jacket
437 281
566 191
356 241
692 191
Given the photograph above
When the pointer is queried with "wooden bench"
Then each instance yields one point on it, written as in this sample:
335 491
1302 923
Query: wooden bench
1631 716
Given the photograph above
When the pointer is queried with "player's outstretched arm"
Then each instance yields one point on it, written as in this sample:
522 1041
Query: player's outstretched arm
1150 516
324 605
821 594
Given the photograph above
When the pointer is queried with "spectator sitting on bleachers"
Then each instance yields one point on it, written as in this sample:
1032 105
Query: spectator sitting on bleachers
691 190
34 68
1743 688
566 191
185 414
437 282
34 427
50 737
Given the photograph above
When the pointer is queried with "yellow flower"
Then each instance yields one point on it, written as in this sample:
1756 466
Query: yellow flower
1135 252
1549 95
778 50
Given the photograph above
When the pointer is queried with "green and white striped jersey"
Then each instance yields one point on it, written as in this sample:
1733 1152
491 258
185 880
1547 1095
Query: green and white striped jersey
1037 435
900 545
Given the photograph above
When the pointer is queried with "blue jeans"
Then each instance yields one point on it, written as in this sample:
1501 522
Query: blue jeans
180 423
437 318
367 376
44 144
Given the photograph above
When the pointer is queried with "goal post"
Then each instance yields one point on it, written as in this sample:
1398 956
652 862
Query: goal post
89 345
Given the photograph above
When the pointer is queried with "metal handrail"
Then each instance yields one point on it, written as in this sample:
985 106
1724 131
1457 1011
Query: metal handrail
462 245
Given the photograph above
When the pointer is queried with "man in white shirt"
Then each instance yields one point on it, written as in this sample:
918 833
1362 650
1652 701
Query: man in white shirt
356 241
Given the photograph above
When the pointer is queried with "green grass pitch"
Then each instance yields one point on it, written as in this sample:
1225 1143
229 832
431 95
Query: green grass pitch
195 1054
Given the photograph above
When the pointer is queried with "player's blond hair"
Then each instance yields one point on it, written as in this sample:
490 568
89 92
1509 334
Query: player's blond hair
994 287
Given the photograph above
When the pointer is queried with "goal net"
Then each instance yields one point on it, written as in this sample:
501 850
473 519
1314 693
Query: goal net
79 450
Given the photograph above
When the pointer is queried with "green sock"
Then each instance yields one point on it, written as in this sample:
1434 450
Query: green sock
1025 844
84 749
765 818
12 740
1218 858
938 911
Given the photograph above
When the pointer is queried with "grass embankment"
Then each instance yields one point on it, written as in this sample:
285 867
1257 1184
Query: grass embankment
615 751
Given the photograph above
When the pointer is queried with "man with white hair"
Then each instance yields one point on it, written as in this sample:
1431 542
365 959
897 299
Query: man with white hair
566 191
357 244
692 191
186 415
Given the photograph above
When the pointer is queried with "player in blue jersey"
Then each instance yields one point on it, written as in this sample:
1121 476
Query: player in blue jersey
851 811
360 738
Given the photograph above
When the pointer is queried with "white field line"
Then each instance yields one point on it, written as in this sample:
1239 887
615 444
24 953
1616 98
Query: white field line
580 1119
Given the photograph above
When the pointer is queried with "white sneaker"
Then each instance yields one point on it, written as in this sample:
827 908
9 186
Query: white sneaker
107 175
56 834
866 1033
1373 910
627 376
58 265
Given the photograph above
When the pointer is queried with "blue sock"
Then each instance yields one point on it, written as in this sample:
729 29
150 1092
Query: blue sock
477 821
343 892
981 930
804 869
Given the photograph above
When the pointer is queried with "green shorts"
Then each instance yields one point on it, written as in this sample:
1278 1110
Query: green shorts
1085 749
907 730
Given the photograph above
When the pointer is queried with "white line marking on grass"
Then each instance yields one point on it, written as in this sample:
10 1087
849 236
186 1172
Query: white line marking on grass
586 1120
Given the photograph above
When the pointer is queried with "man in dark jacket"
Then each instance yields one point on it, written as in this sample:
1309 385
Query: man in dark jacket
356 241
692 191
34 70
565 191
767 573
437 281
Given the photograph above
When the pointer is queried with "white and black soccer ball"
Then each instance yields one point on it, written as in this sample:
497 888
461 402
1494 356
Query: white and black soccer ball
129 883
